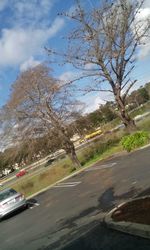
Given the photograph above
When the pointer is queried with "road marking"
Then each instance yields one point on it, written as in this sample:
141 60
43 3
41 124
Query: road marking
134 182
110 165
67 184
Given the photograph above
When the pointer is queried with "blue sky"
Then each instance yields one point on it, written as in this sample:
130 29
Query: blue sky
26 26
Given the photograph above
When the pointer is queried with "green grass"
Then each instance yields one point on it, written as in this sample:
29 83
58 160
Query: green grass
31 184
141 110
145 124
98 150
106 154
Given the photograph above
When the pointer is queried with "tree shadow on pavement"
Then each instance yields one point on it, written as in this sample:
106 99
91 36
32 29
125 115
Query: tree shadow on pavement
144 192
94 235
108 199
102 238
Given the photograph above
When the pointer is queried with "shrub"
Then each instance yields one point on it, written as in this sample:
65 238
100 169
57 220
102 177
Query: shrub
135 140
72 170
97 148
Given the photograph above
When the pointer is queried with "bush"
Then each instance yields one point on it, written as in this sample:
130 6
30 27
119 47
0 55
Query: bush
135 140
72 170
96 149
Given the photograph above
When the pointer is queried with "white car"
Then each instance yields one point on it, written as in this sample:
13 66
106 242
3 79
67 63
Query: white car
10 201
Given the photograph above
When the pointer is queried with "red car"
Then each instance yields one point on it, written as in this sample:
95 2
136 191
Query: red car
21 173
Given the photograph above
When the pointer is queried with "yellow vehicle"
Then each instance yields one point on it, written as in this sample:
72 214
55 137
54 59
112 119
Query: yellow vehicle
92 135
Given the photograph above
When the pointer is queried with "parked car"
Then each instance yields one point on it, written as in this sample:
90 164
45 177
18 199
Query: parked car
21 173
2 175
50 161
11 200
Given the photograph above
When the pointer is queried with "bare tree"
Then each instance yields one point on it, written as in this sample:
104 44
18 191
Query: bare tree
38 103
104 46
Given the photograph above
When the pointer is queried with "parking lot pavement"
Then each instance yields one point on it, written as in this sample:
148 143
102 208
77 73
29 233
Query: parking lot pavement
62 214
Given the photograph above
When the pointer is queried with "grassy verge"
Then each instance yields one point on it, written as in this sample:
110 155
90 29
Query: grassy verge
62 168
141 110
98 150
145 124
138 111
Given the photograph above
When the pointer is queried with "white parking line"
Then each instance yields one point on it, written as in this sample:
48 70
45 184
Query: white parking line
110 165
67 184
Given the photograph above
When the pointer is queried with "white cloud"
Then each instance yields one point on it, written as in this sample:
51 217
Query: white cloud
94 104
25 12
89 66
67 76
93 101
3 4
30 63
31 11
71 10
146 4
18 45
144 16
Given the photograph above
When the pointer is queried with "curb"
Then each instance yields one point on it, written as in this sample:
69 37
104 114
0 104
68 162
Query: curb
143 147
135 229
63 179
71 175
75 173
82 169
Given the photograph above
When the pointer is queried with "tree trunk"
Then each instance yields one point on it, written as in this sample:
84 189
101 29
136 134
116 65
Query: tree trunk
70 151
123 114
74 158
67 144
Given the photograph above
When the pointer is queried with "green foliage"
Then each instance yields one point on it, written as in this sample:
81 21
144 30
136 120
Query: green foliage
107 113
97 149
144 94
72 170
135 140
138 97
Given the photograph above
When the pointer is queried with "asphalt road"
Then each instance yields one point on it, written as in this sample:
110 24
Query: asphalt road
69 215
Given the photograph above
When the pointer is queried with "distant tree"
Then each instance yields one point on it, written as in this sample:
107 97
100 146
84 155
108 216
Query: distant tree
147 86
144 94
107 37
80 125
95 118
138 96
107 113
38 103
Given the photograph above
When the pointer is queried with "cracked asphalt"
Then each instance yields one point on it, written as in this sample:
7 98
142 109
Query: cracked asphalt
70 216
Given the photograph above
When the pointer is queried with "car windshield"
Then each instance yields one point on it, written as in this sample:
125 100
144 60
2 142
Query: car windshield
6 194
